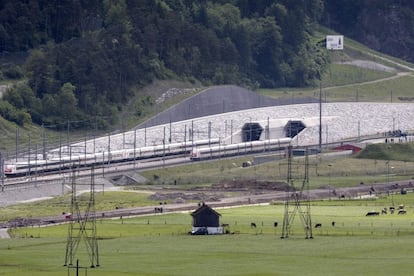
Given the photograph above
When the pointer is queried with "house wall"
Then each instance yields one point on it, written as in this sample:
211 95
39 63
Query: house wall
207 219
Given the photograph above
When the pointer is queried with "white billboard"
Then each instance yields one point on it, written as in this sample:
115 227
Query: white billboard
335 42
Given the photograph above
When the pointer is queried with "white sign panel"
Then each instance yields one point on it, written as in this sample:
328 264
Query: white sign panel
335 42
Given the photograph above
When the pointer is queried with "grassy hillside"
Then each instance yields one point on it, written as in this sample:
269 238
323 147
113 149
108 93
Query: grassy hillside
401 152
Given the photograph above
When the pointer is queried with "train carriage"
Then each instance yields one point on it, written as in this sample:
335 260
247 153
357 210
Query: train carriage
239 149
12 168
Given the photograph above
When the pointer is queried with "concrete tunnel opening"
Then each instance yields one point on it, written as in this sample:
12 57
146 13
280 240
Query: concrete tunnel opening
293 128
251 132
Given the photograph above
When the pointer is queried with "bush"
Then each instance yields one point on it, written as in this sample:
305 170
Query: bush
22 117
9 112
13 72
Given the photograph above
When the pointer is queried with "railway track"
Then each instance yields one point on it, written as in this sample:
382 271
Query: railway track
103 170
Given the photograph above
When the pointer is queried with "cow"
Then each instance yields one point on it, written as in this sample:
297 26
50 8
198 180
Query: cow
372 213
253 225
318 225
402 212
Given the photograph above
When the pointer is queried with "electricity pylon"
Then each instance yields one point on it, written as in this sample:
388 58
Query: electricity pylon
82 226
296 202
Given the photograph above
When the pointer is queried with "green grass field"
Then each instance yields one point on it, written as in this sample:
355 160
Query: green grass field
160 244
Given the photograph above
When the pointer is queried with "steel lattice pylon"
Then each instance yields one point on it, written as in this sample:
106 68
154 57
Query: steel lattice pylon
82 226
296 203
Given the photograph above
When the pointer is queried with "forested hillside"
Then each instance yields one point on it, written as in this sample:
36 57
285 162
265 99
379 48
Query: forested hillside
86 57
83 60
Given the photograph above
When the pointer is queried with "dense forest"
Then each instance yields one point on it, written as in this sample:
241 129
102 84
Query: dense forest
82 60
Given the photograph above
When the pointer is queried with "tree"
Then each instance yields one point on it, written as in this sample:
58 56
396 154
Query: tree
37 66
67 101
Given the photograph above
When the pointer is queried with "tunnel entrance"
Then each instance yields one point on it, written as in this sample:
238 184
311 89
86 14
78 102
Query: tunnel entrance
251 132
293 128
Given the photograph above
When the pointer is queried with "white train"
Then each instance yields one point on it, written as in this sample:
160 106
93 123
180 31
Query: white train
27 167
218 151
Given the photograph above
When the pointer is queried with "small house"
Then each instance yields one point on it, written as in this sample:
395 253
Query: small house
206 221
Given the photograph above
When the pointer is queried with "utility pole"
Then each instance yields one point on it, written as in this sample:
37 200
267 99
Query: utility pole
43 142
82 225
320 116
17 142
2 171
296 202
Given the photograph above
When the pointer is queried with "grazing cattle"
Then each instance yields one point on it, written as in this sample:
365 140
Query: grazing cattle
372 213
275 224
384 211
402 212
318 225
253 225
333 223
225 225
392 209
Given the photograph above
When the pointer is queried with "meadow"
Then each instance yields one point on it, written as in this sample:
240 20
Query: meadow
160 244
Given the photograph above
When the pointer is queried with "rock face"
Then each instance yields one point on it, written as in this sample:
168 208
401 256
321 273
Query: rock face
384 25
390 32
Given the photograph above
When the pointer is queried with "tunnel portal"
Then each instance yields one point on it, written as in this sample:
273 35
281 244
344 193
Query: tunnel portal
251 132
293 128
